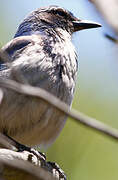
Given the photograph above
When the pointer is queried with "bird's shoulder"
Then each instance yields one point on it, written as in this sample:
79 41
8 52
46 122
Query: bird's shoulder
20 43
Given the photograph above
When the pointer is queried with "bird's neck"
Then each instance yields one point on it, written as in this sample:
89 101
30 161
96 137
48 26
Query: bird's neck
26 29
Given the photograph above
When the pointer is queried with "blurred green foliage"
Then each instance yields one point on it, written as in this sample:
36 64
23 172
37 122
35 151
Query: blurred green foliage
82 153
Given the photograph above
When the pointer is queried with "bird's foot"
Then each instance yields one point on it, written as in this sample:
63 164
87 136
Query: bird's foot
21 147
38 154
49 166
57 171
52 167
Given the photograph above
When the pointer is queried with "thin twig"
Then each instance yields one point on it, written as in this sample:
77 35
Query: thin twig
111 38
77 116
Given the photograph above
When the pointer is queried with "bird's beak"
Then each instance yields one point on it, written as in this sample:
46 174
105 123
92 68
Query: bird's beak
84 24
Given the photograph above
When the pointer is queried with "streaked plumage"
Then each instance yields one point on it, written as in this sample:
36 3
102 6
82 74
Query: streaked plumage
43 53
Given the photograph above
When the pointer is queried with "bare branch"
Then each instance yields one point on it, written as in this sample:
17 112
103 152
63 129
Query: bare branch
49 98
111 38
16 165
27 163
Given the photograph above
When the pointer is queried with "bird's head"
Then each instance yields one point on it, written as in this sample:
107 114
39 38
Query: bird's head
53 17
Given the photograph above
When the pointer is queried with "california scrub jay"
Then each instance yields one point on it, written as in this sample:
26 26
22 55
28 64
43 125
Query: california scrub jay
42 52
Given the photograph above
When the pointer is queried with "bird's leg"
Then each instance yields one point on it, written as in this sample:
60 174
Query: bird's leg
21 147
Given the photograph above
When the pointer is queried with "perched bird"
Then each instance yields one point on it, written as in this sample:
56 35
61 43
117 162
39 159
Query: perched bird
42 55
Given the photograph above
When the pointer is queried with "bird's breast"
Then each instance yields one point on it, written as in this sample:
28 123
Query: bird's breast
50 65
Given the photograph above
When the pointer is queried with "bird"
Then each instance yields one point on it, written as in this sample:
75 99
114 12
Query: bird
41 54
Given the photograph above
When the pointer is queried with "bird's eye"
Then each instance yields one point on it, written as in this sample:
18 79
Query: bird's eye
60 13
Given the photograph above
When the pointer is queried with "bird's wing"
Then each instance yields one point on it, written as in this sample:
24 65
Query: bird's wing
16 44
8 50
21 52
